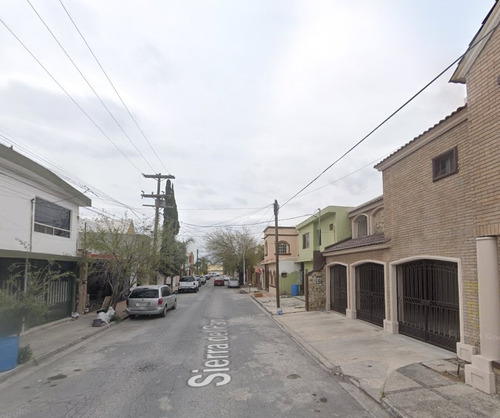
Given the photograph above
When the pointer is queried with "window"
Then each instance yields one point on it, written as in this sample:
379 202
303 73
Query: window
361 224
319 237
445 165
305 240
330 227
51 219
283 247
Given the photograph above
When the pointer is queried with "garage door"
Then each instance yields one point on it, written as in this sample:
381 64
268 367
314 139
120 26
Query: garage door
428 303
370 295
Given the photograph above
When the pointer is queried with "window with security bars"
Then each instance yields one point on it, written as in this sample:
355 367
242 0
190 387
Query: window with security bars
283 247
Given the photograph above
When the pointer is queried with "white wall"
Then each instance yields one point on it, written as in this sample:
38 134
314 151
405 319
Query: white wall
16 194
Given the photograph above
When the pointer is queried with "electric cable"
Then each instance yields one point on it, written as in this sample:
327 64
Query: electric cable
390 116
113 86
90 85
67 94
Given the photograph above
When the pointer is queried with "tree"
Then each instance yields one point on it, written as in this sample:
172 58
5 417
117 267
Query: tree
233 249
121 254
173 251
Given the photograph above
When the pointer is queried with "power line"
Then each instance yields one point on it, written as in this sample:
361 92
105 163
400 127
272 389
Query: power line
67 94
389 117
89 84
113 86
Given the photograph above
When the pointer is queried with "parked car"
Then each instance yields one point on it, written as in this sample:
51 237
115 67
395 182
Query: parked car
151 300
233 282
188 284
226 279
202 279
218 281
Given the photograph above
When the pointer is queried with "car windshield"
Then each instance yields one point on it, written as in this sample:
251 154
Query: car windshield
144 293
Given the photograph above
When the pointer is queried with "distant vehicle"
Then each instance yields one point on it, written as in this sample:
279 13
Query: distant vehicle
226 279
233 282
218 281
188 284
207 276
151 300
203 280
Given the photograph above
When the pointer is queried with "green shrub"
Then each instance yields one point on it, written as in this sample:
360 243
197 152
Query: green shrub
24 355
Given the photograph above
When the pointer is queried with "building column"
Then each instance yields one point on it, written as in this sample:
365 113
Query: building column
480 373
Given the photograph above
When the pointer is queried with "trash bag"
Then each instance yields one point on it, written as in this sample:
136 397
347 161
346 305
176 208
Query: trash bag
106 316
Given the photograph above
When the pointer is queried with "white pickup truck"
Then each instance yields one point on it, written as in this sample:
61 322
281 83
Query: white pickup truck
188 284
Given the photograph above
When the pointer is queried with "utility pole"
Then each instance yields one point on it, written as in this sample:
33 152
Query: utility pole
276 247
158 199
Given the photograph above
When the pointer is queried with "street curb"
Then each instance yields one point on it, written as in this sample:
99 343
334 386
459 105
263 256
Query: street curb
38 360
328 365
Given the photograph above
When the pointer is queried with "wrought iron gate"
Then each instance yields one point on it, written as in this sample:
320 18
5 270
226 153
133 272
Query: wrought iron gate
428 303
338 288
370 293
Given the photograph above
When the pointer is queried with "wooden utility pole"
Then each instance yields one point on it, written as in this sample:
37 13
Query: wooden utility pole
276 248
158 199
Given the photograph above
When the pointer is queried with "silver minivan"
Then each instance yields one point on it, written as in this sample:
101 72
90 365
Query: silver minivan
151 300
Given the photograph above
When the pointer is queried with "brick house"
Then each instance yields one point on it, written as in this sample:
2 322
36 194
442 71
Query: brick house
429 267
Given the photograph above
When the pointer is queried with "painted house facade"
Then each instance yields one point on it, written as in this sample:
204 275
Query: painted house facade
288 253
430 269
38 223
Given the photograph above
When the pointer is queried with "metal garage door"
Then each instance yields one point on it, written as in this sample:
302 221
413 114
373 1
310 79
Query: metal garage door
428 304
370 294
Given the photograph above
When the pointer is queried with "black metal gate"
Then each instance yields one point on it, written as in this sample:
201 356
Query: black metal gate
428 303
338 288
370 293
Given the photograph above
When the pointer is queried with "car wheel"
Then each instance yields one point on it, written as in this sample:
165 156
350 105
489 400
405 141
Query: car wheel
131 316
164 312
175 305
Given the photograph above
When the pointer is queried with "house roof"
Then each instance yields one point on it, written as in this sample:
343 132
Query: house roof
373 202
489 25
358 242
449 122
324 212
27 168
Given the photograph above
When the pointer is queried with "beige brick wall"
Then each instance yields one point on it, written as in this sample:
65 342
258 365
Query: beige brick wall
424 218
483 98
355 258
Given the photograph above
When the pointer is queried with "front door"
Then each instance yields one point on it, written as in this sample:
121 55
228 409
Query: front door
338 288
370 295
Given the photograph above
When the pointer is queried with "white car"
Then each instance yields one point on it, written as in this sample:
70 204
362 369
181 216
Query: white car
188 284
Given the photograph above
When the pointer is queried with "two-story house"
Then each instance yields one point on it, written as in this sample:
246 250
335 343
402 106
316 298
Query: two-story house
325 227
288 253
38 224
428 266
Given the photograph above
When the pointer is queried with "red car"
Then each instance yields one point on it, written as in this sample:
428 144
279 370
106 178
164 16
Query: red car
219 281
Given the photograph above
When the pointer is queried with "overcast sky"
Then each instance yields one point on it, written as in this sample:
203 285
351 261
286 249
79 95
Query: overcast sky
243 101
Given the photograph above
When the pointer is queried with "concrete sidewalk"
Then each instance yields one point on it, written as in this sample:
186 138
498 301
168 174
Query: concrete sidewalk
49 339
410 378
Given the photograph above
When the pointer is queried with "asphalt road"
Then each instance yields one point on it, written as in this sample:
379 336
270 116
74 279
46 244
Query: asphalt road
217 355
